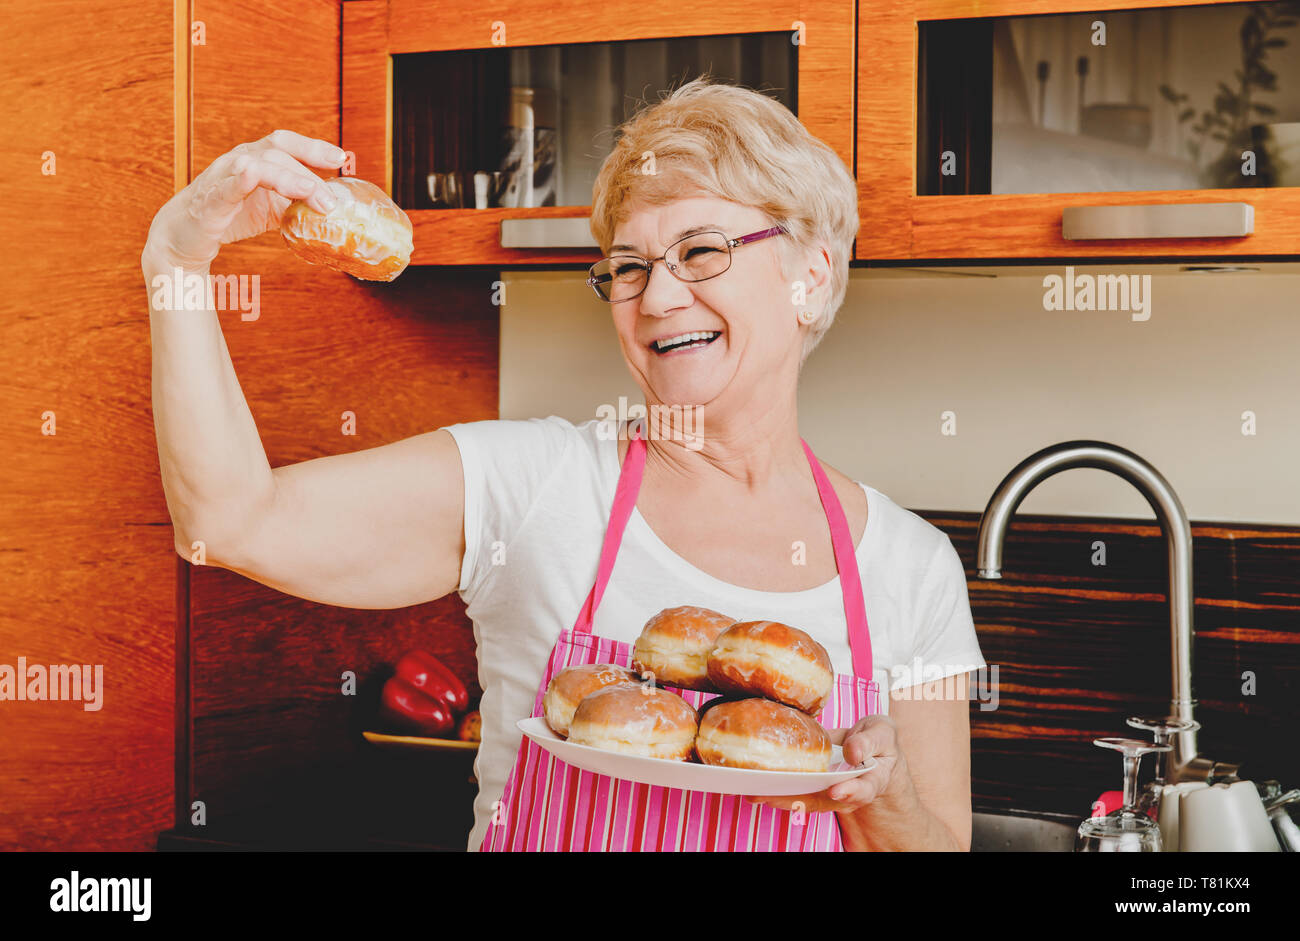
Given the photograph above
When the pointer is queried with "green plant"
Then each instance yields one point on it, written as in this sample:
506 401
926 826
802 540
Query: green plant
1235 114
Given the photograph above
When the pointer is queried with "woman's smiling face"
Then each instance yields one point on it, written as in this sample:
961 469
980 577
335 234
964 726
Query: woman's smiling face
748 306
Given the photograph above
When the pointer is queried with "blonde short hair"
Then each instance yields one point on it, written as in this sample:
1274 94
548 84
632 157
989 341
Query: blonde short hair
743 146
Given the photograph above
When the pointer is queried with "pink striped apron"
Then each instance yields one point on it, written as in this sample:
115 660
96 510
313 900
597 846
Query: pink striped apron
549 805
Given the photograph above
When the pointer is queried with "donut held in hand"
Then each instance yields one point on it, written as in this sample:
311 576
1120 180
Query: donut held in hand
636 720
572 685
774 660
366 234
675 645
762 735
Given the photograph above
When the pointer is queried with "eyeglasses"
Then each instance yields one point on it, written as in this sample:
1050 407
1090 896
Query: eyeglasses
697 257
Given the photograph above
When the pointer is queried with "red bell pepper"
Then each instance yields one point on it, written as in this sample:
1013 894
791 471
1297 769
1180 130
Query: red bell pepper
413 710
426 673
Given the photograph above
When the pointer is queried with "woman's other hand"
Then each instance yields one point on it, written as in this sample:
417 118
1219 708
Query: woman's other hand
876 737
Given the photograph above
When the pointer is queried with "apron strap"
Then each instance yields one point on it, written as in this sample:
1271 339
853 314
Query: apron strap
629 485
846 561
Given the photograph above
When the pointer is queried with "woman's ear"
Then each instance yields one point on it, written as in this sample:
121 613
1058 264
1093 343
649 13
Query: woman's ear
813 277
820 269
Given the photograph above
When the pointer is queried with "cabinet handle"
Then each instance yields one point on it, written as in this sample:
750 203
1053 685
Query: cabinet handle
571 232
1167 221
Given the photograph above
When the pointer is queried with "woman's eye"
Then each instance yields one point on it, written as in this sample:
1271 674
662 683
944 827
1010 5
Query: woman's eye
623 271
700 250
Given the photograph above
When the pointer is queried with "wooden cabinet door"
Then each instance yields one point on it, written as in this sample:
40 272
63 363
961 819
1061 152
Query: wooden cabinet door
374 31
897 223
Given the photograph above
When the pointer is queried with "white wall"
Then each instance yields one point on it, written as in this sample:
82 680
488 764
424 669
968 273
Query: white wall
907 345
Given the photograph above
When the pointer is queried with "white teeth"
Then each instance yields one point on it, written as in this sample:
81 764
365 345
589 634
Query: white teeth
681 338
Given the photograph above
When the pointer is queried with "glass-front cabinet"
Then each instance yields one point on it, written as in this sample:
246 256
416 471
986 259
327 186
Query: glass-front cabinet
1048 129
488 125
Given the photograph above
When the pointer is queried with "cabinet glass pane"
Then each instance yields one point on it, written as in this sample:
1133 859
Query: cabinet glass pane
539 120
1147 99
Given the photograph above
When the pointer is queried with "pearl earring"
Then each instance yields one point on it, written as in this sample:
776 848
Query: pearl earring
807 316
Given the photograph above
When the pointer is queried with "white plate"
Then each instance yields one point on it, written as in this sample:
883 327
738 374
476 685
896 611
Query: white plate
689 775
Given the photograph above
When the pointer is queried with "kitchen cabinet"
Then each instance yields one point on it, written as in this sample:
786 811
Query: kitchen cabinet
987 129
429 87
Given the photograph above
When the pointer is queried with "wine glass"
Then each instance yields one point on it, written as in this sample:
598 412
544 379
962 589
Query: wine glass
1125 830
1149 799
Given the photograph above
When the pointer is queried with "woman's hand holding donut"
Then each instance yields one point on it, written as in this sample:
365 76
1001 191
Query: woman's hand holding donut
242 193
888 782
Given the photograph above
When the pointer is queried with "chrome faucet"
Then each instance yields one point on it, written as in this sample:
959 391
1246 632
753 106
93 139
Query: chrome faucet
1182 763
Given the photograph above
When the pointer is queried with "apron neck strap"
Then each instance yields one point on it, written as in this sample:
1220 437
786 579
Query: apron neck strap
846 562
629 485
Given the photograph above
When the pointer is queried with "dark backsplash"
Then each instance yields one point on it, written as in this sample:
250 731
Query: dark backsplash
1080 648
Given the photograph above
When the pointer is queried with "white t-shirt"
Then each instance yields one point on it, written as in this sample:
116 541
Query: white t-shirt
538 493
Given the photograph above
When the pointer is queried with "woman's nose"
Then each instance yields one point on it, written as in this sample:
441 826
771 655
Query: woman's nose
664 291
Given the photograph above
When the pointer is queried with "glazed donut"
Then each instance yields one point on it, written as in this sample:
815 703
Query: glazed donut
572 685
775 660
762 735
641 720
675 645
366 234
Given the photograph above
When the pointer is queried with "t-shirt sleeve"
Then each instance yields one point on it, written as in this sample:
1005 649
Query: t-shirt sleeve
946 643
506 463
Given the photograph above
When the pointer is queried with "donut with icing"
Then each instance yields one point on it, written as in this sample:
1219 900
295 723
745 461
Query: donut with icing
572 685
773 660
675 645
640 720
762 735
366 234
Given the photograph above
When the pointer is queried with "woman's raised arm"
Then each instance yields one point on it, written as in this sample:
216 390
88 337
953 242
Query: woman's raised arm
378 528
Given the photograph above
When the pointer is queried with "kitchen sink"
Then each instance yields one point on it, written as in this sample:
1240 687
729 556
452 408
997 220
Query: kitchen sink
1016 831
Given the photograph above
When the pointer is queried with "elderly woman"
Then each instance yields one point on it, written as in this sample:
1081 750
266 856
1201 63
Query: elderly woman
727 231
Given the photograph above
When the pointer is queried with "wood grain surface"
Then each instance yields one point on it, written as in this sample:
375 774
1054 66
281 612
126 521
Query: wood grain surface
86 569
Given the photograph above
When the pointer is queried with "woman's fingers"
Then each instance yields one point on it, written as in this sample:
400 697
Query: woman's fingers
844 797
320 198
808 803
877 732
874 735
249 171
310 150
858 791
216 206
